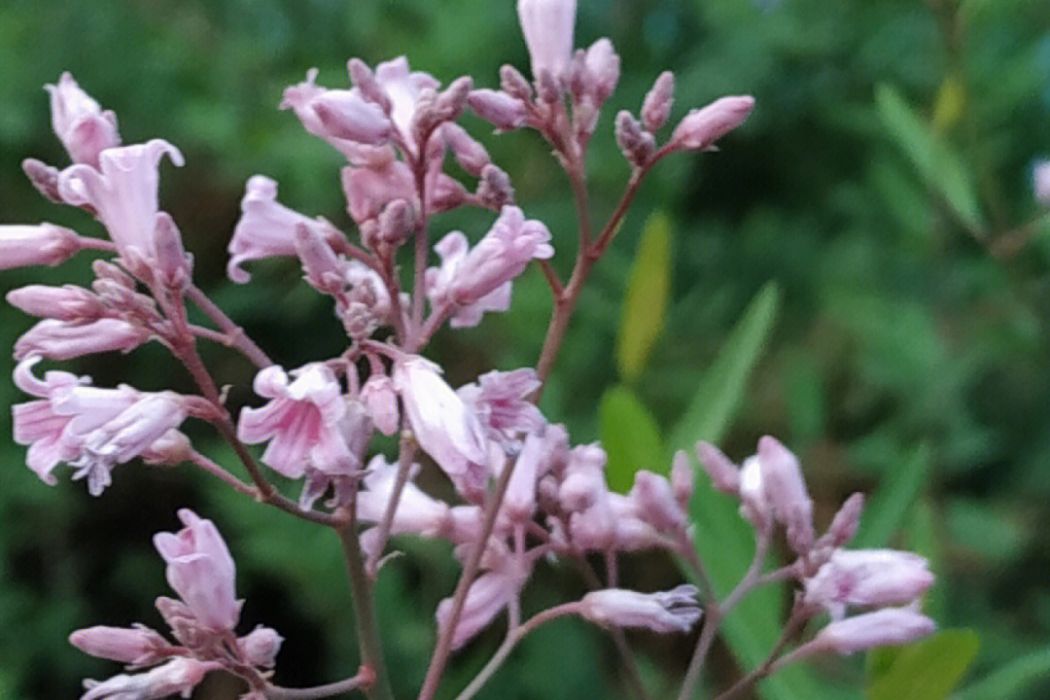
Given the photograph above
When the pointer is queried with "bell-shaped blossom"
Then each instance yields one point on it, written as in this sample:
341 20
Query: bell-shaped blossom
177 677
42 244
868 578
489 595
1041 182
137 646
548 26
345 115
260 646
79 122
417 512
66 303
699 129
303 421
380 399
370 189
201 570
266 228
886 627
443 425
123 190
59 340
670 611
785 487
501 402
503 111
477 281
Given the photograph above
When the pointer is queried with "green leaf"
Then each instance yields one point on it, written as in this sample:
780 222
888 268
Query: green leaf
938 164
630 436
724 540
1010 679
723 384
645 303
927 670
887 510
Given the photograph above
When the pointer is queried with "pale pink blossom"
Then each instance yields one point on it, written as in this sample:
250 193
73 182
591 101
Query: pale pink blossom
266 228
403 87
201 570
380 399
304 421
369 189
656 502
59 340
1041 182
656 108
501 402
548 26
785 487
846 521
725 476
138 645
417 512
79 122
682 479
66 303
345 115
584 482
470 154
499 109
260 646
702 127
177 677
443 425
488 596
123 190
886 627
670 611
868 578
42 244
453 250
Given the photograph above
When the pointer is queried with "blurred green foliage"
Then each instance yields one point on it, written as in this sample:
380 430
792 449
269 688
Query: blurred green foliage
881 184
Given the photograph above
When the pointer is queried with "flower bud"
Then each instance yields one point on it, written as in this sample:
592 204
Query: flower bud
584 482
636 144
43 244
671 611
725 476
868 578
396 222
656 502
470 154
365 80
682 482
658 101
380 400
846 521
84 129
345 115
495 189
44 178
58 340
786 489
65 303
887 627
499 109
138 645
174 266
260 646
323 269
512 82
702 127
487 596
177 677
548 27
602 71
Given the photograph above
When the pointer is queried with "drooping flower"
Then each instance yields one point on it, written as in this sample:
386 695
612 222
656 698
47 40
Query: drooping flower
137 646
66 303
443 425
59 340
80 124
417 512
868 578
177 677
42 244
303 422
886 627
488 596
671 611
201 570
123 190
501 402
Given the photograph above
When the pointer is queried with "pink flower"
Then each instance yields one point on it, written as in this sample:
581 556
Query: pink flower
656 502
124 193
346 116
84 129
785 487
658 102
66 303
138 645
584 482
59 340
43 244
886 627
369 189
499 109
443 425
403 87
260 646
201 570
548 28
178 676
501 402
724 474
481 275
487 597
682 481
304 422
671 611
702 127
266 228
470 154
868 578
417 512
380 399
532 462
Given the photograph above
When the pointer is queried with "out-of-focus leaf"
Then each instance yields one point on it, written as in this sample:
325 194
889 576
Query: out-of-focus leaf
927 670
938 165
722 387
645 303
1010 679
890 505
950 104
922 537
987 531
630 436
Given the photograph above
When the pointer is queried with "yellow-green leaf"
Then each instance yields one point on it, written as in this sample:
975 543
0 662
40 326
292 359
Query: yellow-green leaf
927 670
645 303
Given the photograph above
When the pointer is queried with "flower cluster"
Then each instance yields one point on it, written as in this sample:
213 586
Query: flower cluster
523 493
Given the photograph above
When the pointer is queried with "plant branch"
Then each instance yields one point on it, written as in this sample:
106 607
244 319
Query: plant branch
795 624
362 681
236 336
406 453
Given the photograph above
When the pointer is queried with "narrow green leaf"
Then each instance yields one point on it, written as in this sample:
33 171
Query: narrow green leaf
1009 680
724 540
890 505
927 670
938 164
630 436
645 302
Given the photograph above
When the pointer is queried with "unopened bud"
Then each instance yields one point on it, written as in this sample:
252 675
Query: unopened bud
494 188
887 627
43 177
658 102
670 611
636 144
136 645
470 154
323 269
656 502
260 646
702 127
786 489
846 521
499 109
345 115
42 244
725 476
682 478
548 87
380 400
514 83
174 266
365 80
395 223
602 70
66 303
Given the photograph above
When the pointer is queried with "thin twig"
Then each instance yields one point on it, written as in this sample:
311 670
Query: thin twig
238 338
795 624
220 472
361 681
406 453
